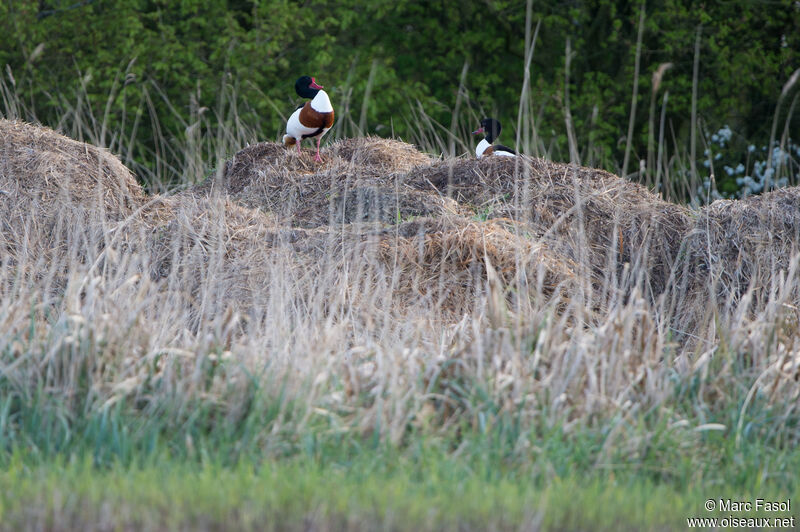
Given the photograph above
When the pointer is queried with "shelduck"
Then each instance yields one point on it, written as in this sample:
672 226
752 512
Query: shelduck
311 120
492 128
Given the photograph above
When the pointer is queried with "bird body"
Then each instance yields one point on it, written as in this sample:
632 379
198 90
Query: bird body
484 149
311 120
492 128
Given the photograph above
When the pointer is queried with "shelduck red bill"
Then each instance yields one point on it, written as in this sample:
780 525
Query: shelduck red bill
312 119
486 147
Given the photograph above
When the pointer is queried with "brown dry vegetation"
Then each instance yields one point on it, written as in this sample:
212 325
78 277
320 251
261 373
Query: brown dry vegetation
373 271
49 183
360 181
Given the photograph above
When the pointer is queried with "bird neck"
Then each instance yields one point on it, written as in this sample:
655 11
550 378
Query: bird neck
481 147
321 102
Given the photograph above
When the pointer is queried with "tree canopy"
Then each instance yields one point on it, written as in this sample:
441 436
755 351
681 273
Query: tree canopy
406 54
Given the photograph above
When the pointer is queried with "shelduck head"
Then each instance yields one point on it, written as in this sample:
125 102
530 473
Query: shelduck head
307 87
490 127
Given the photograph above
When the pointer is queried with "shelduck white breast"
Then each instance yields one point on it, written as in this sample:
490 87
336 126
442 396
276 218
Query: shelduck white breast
492 128
311 120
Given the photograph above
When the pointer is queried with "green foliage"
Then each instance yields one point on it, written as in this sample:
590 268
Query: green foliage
381 488
172 59
429 492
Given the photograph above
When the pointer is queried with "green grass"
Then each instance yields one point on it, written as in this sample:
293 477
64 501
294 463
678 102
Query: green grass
421 488
118 469
256 456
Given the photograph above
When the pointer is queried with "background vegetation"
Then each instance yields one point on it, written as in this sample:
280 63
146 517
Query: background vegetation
164 364
393 66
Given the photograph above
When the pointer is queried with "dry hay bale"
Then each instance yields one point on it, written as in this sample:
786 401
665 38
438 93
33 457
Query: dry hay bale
186 224
254 163
41 165
587 215
215 254
263 177
58 194
443 260
284 193
738 245
369 154
476 182
383 155
373 201
292 197
353 183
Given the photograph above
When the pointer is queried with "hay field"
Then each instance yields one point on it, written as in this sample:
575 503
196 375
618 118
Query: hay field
371 273
388 294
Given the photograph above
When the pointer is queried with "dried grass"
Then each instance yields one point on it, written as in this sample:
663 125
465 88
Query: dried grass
589 216
530 289
438 232
39 165
448 261
740 251
354 183
50 185
384 156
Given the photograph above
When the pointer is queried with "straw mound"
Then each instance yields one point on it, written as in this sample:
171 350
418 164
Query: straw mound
190 240
314 200
51 187
440 261
587 215
367 201
370 155
184 224
254 162
436 261
445 260
547 228
738 245
351 185
39 165
379 154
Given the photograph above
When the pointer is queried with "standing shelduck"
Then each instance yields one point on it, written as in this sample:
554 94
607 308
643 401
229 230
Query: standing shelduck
311 120
492 128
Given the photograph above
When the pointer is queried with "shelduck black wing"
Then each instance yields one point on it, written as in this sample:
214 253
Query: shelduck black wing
500 147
